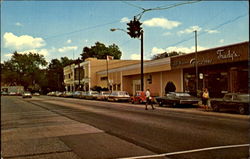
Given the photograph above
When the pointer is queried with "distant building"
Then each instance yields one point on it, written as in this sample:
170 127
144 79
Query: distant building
13 89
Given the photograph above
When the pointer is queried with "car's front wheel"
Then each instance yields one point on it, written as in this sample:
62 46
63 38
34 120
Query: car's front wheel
160 103
216 108
242 110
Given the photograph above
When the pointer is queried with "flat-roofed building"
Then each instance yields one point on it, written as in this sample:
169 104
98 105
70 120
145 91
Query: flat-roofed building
82 75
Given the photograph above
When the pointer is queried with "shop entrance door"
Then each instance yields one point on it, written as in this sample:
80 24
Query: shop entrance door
136 86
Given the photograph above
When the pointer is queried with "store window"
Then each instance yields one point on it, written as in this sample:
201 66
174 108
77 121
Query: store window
118 87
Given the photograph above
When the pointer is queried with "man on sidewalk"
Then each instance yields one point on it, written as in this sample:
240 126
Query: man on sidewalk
148 100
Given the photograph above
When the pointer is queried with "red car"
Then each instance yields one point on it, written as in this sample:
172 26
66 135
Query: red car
139 97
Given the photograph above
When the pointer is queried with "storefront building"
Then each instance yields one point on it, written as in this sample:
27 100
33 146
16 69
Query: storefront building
221 70
157 73
82 76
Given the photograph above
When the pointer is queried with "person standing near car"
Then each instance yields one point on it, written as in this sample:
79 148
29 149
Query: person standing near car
205 97
148 100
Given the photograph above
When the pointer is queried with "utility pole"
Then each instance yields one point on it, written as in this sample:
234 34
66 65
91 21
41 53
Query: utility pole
107 73
196 64
142 75
79 81
135 31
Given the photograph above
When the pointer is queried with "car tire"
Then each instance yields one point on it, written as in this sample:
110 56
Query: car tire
160 104
140 101
174 104
242 110
216 108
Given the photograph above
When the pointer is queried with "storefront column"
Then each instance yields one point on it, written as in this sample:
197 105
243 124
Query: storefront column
233 79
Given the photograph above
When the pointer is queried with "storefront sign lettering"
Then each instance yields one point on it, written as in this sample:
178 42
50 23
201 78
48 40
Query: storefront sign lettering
177 63
192 62
201 61
222 54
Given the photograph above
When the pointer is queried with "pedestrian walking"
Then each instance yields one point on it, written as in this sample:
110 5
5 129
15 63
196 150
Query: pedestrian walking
148 100
205 97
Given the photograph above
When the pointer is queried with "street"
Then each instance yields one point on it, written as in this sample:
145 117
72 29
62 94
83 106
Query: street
55 127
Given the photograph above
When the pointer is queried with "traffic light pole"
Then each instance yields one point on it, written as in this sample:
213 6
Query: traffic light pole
142 76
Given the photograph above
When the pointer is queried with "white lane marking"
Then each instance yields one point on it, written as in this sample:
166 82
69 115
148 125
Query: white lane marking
188 151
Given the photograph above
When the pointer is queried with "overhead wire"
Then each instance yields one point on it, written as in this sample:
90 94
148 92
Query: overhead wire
218 26
164 8
84 29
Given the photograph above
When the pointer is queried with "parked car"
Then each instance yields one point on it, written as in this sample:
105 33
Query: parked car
4 93
51 93
119 96
231 101
36 94
77 94
177 98
103 95
139 97
13 94
58 94
27 95
91 95
68 94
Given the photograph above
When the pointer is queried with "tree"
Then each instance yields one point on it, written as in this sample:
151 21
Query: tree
100 51
165 54
23 69
54 74
170 87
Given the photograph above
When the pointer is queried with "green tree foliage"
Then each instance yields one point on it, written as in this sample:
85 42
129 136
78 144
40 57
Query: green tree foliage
165 54
100 51
23 69
170 87
54 74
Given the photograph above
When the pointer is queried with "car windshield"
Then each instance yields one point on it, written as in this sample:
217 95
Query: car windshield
123 93
182 94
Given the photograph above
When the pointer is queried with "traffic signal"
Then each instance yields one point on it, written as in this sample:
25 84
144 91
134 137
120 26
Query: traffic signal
134 28
137 28
130 28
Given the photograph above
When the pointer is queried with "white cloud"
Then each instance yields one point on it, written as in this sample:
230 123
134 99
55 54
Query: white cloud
18 24
43 52
135 57
189 30
69 41
22 42
167 33
67 49
156 50
8 55
211 31
221 40
161 22
124 20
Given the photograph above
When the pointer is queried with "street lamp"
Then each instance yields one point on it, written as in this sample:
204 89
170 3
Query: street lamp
114 29
141 35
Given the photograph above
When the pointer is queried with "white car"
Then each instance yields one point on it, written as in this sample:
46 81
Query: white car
27 95
119 96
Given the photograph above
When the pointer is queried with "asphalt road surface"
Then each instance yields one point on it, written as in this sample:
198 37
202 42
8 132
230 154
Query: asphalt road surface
67 128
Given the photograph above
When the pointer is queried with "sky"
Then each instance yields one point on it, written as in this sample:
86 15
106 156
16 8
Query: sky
57 29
